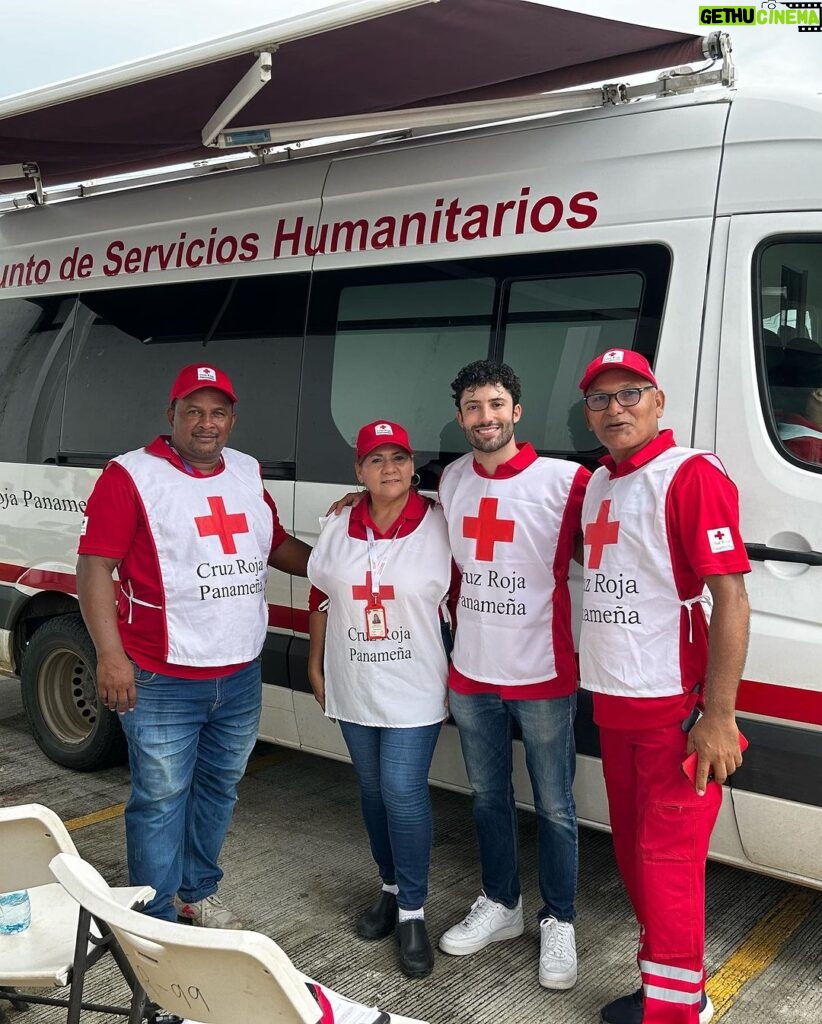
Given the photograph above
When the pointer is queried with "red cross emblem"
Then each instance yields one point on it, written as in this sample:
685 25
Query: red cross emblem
364 593
487 530
222 524
599 533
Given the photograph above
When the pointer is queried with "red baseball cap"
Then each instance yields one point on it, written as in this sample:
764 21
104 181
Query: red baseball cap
197 375
372 435
617 359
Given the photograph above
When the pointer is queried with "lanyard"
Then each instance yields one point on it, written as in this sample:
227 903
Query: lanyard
377 565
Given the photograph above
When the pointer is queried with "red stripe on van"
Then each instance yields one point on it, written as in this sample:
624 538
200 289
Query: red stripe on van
774 701
39 579
49 579
769 699
279 616
288 618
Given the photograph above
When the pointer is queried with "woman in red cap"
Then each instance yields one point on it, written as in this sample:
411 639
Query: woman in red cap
377 663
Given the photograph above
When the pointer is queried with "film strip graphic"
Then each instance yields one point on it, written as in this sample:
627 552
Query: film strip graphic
807 7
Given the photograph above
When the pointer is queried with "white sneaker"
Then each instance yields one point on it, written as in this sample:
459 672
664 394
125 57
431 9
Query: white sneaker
487 921
706 1009
210 912
557 954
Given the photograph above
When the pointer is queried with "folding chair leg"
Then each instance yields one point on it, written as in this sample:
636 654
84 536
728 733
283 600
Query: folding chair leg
78 970
139 1004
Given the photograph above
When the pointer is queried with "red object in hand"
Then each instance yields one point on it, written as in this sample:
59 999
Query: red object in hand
690 762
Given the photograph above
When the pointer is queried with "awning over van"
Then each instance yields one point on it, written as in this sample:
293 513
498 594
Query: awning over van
328 60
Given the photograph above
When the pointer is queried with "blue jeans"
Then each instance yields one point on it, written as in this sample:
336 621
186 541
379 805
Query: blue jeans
392 769
189 741
485 723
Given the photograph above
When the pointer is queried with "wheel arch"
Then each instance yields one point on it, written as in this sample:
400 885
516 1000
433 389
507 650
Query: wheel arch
39 608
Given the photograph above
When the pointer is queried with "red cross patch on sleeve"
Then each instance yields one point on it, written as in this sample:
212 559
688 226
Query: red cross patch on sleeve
720 539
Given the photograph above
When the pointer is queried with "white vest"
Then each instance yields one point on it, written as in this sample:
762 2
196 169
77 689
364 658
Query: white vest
212 536
631 611
504 537
398 682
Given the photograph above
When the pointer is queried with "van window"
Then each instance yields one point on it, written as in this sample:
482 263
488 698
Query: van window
553 328
386 342
129 344
790 305
390 335
34 347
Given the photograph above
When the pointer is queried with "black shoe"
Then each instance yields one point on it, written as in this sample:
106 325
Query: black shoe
380 920
628 1009
625 1010
415 953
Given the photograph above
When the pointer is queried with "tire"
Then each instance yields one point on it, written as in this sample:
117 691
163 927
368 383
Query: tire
60 697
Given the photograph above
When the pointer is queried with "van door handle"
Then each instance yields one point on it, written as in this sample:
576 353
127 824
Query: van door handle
763 553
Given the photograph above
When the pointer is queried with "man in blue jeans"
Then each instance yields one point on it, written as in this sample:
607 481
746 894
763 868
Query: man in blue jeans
191 530
513 522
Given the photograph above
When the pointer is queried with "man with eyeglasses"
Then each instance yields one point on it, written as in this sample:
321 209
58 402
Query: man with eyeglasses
661 539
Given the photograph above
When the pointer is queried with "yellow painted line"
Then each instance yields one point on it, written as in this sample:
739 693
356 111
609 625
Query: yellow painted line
105 814
256 764
759 950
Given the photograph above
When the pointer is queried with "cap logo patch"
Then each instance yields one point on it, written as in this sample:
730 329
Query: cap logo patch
206 373
382 429
613 357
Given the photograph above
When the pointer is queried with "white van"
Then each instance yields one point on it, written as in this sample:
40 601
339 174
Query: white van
337 289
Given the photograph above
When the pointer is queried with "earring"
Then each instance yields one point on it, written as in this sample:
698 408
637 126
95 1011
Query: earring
415 480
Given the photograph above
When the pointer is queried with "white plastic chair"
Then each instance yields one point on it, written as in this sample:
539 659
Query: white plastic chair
209 975
62 941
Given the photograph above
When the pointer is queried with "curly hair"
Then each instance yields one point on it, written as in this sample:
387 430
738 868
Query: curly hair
486 371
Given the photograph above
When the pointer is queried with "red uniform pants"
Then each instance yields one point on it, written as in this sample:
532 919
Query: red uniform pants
661 831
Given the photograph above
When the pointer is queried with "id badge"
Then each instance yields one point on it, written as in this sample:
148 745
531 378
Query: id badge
375 624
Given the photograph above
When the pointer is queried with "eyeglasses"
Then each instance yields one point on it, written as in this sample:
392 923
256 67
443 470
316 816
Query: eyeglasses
626 398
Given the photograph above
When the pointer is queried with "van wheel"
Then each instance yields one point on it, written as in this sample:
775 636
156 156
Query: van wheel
60 698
